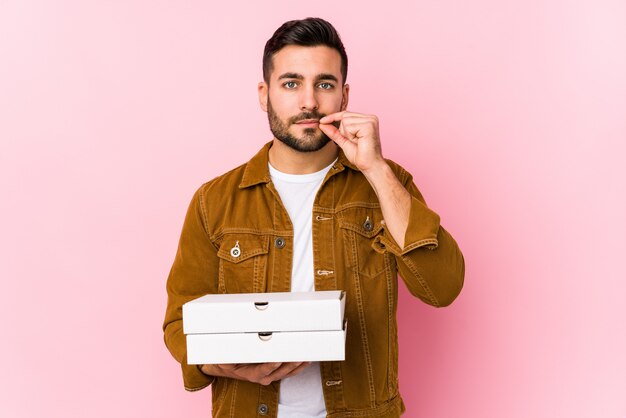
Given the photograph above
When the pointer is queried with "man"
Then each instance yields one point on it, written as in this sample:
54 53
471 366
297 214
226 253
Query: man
318 208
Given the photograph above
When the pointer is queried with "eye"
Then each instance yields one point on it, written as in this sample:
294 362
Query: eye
290 84
326 86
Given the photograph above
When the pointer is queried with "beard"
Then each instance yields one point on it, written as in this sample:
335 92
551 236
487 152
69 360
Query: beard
312 139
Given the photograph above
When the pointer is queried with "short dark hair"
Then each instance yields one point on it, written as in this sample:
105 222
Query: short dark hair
312 31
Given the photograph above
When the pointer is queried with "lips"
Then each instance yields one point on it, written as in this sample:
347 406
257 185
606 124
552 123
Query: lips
308 122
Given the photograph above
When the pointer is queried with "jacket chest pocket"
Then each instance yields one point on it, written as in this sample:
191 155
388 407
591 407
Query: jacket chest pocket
360 226
243 263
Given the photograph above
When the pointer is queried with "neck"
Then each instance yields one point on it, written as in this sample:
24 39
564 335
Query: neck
286 159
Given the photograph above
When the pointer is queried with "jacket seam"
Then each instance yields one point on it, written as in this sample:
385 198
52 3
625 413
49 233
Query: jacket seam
332 236
204 215
420 243
373 412
219 235
220 397
190 389
359 298
421 281
225 256
389 319
358 204
255 272
274 255
232 401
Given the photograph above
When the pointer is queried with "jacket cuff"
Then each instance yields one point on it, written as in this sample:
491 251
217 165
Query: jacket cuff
193 378
421 231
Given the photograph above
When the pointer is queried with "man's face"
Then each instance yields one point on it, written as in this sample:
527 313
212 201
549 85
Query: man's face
305 85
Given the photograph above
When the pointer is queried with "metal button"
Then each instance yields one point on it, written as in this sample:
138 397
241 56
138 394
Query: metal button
279 242
368 225
235 251
263 409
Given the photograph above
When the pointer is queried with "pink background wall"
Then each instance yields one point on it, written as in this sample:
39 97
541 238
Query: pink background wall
510 114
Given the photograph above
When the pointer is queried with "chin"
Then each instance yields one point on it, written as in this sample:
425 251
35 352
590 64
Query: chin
306 144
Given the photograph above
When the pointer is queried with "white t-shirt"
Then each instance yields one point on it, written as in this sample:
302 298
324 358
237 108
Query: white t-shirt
301 396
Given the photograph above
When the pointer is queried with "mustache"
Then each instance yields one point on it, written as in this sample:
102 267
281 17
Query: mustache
311 115
307 115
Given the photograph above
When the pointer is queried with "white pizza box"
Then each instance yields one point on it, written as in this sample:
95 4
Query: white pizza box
265 312
263 347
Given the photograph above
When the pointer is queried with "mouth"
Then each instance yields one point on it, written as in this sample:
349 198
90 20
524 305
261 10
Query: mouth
308 122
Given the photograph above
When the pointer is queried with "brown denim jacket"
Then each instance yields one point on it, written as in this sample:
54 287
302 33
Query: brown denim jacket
352 251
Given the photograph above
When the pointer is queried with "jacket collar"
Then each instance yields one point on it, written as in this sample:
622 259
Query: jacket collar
257 170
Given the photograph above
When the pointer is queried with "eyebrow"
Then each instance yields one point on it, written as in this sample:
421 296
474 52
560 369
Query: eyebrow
319 77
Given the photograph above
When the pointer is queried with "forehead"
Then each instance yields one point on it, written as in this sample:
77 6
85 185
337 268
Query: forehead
309 61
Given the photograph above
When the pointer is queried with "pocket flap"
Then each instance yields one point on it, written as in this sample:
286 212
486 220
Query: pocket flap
240 247
357 221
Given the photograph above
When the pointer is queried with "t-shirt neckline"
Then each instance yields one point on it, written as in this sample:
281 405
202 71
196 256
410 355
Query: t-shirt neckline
299 178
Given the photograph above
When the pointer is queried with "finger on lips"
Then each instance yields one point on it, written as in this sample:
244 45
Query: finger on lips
332 117
344 115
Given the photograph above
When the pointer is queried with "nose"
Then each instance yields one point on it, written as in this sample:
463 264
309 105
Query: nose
308 100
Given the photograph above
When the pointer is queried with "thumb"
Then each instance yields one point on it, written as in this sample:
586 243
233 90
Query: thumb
333 133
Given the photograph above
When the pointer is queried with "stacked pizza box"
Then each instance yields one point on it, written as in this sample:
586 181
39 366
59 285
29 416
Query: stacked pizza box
265 327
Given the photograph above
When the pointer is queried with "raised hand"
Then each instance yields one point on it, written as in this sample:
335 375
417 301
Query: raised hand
357 136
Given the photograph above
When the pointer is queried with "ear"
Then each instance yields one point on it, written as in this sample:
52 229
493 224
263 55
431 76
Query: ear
345 95
263 91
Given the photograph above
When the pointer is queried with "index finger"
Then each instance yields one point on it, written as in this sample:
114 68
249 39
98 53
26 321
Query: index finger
333 117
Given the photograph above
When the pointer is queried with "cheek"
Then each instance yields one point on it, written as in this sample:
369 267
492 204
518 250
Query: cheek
281 96
283 112
333 104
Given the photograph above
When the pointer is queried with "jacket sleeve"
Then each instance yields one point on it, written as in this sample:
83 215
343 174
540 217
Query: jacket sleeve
431 263
193 274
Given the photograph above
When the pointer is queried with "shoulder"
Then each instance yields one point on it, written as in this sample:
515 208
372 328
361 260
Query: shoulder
222 185
216 197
